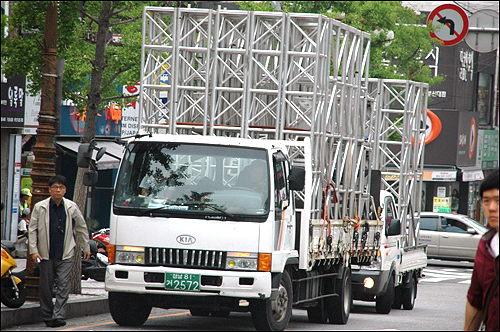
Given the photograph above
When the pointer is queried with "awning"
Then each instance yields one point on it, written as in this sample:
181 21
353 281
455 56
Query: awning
471 174
111 158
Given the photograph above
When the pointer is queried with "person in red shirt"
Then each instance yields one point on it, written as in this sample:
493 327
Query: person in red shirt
486 264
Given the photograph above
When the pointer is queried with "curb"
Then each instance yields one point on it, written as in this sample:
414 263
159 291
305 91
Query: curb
30 313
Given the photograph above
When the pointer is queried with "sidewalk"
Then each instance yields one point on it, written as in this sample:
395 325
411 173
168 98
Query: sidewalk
92 301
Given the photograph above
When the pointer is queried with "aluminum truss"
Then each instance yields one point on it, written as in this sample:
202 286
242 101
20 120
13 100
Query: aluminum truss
283 76
399 125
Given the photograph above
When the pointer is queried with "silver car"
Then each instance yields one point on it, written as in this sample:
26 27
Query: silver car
450 236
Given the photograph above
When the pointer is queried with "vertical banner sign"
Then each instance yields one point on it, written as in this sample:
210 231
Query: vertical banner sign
449 24
14 189
130 112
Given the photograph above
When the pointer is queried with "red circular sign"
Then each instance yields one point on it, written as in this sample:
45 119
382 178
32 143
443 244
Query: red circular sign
450 23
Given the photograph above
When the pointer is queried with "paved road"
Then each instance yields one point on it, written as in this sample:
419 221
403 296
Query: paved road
440 305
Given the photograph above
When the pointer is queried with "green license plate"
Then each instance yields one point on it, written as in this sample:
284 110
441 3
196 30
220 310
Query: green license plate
182 282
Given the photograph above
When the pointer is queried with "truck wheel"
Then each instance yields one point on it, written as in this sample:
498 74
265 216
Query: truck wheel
317 314
199 312
397 298
220 313
338 307
128 309
409 294
274 315
384 302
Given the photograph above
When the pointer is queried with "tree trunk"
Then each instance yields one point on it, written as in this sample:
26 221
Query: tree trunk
94 99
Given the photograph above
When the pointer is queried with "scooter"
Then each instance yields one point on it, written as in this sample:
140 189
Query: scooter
95 267
101 237
13 284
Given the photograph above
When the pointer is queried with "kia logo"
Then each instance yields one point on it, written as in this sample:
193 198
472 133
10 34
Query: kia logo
186 239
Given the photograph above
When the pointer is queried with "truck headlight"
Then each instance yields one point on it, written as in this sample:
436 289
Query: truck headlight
129 255
241 261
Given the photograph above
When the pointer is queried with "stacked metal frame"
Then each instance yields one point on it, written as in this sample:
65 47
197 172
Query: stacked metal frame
399 124
284 76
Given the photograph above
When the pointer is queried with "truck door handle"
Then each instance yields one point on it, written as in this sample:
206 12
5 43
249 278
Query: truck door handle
445 236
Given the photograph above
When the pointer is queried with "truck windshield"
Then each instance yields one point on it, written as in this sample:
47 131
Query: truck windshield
185 180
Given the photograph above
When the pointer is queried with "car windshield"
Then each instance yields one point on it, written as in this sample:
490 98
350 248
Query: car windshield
193 181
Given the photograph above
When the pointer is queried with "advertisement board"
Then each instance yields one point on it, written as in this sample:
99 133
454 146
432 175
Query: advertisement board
13 102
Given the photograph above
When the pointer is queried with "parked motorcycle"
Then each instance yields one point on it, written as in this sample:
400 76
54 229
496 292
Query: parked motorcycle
95 267
101 237
13 283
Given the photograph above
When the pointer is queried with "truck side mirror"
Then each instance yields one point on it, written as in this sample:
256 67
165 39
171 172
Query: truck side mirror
84 155
100 153
394 228
90 178
297 178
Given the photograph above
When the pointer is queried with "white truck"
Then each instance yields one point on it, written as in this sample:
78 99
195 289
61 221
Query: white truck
192 225
392 279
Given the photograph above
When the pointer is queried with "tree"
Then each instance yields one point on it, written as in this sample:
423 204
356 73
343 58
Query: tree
397 54
95 63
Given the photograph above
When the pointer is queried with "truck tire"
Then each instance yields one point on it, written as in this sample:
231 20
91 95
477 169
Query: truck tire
409 294
317 314
384 302
397 298
220 313
274 315
201 312
128 309
338 307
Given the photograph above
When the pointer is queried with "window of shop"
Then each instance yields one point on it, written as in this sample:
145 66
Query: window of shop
483 105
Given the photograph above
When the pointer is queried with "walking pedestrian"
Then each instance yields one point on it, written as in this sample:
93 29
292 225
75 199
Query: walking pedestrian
482 297
56 225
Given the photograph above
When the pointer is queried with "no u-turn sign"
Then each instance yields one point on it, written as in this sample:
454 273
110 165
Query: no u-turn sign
449 24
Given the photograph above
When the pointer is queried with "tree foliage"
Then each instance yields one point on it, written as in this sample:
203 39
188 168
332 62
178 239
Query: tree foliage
76 33
400 57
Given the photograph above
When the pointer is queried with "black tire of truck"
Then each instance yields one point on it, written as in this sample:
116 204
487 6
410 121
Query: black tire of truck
338 308
409 294
199 312
274 315
221 313
383 303
128 309
317 314
397 298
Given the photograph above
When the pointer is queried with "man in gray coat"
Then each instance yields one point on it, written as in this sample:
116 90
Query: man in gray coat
55 226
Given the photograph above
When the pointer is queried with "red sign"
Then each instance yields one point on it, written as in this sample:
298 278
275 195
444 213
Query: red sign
449 23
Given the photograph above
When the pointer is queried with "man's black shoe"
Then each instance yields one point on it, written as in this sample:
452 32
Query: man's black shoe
50 323
55 322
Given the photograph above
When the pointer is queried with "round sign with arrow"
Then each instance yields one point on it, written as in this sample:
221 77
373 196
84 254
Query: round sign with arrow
449 24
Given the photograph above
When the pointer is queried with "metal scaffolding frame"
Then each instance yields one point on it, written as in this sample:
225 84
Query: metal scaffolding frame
272 75
400 116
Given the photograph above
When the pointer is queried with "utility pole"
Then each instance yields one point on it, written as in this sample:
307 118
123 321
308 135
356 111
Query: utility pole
44 150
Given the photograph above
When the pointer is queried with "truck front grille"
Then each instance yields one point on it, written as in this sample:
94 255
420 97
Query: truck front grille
203 259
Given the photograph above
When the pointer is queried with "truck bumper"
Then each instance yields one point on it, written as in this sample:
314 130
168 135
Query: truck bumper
150 280
379 278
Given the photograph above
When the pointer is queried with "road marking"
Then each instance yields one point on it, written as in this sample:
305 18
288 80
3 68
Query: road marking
113 322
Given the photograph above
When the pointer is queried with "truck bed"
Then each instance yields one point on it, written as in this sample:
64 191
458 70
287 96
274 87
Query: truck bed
414 258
